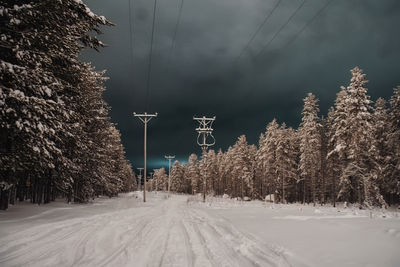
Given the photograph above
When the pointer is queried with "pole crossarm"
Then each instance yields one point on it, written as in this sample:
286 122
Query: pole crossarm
145 118
205 130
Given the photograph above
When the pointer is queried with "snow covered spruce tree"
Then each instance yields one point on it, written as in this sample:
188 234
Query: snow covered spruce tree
310 146
242 169
208 171
252 159
225 171
392 161
334 163
259 178
379 149
178 183
323 161
354 138
219 179
212 171
267 156
47 97
160 178
286 163
193 173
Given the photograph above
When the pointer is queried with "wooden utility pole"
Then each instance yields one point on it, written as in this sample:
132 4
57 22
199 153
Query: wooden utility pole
145 118
204 131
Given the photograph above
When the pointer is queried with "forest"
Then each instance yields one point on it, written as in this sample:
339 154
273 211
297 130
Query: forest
352 155
56 136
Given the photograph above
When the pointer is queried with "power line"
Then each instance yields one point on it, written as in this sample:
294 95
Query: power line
175 32
309 22
150 56
281 28
258 30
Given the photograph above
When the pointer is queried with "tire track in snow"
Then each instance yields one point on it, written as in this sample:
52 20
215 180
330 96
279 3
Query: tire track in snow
48 238
221 253
239 245
37 248
189 249
164 248
144 225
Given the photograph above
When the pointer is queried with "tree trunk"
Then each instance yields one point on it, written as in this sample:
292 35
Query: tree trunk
334 192
4 199
283 191
313 190
13 192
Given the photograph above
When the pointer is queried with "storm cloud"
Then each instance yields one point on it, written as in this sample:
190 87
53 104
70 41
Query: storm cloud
202 76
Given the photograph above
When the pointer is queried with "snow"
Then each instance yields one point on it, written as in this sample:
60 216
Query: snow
183 231
318 236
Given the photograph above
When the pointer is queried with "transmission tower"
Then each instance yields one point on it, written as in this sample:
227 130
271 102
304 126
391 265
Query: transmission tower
145 118
140 178
205 139
169 158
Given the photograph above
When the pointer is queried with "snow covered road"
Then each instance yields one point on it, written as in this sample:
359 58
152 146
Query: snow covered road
126 232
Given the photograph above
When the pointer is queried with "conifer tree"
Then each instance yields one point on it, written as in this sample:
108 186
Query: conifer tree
193 173
310 145
392 162
379 149
268 157
160 179
286 165
242 170
177 178
358 180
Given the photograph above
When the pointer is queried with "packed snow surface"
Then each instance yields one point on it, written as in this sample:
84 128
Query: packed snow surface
183 231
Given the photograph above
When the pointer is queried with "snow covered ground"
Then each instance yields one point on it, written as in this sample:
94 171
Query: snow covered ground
183 231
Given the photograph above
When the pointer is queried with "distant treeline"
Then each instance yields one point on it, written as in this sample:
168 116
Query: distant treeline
56 137
351 155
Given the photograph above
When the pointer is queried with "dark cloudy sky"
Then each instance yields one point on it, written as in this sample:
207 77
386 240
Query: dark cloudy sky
201 77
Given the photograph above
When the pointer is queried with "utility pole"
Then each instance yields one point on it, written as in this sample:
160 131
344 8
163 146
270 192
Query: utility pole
204 131
169 158
145 118
140 178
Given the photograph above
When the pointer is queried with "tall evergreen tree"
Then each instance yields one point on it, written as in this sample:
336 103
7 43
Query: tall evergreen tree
392 162
358 179
286 166
242 170
268 156
193 173
310 145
